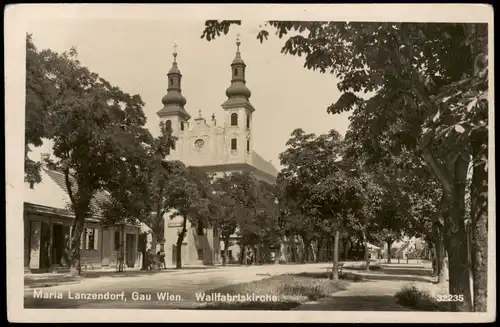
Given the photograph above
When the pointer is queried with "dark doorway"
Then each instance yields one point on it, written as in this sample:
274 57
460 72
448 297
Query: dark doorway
131 247
44 245
57 244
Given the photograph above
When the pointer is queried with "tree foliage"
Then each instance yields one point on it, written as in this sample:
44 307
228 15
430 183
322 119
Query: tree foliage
97 130
430 86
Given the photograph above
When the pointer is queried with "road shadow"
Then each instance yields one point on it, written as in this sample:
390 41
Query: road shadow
326 275
407 271
356 303
48 280
420 274
139 273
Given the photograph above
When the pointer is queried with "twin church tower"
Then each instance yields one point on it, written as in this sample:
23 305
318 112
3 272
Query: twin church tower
216 147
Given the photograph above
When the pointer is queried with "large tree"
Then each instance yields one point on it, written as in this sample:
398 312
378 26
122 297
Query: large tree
315 178
267 216
229 193
40 94
246 198
97 130
145 188
430 81
191 200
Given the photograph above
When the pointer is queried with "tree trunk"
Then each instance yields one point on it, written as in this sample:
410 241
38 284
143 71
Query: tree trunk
318 250
153 242
180 239
277 253
76 237
242 254
480 263
143 251
335 271
479 226
458 272
328 249
346 248
389 245
433 259
367 256
305 254
456 237
453 181
226 251
441 266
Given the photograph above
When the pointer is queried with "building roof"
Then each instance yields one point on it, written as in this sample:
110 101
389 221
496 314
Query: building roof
373 247
46 193
263 165
52 192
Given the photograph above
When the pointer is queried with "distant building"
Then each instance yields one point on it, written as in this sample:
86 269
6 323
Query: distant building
409 247
215 146
48 228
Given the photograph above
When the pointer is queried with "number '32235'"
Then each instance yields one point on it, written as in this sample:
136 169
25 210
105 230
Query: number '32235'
450 298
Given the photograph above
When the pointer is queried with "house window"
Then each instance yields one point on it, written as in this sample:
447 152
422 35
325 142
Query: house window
200 254
233 144
248 145
248 121
89 239
222 253
199 230
117 240
230 253
234 119
182 125
168 125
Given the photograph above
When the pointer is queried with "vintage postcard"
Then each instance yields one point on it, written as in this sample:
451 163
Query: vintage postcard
248 163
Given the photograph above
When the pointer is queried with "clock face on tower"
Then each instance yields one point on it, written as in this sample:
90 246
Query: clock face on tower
198 144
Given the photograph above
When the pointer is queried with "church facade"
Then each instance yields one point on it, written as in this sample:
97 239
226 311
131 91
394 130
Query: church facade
216 146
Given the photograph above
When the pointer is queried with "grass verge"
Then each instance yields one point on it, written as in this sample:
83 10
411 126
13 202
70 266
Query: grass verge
412 297
287 291
347 276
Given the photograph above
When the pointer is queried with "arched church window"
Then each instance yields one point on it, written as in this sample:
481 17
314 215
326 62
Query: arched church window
234 119
248 145
182 125
248 121
168 125
171 81
233 144
235 72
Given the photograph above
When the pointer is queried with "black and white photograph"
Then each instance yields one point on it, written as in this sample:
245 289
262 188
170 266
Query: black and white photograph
267 161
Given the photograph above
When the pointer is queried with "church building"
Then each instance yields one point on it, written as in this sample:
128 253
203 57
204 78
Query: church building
215 146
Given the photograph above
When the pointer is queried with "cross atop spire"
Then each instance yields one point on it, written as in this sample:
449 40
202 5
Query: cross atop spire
238 42
175 51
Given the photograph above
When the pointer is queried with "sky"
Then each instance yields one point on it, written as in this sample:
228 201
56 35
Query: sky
137 54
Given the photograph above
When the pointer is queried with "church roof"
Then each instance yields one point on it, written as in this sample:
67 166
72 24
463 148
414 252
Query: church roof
263 165
173 110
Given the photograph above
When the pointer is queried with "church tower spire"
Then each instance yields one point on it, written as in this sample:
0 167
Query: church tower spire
174 101
238 93
239 110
